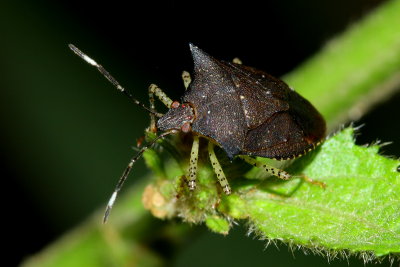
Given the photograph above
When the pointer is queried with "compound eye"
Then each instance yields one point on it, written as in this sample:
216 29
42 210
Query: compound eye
175 104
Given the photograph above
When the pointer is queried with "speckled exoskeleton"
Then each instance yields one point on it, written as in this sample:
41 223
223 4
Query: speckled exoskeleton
245 111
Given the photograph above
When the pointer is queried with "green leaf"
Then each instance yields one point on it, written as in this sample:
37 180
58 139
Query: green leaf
218 224
358 211
153 162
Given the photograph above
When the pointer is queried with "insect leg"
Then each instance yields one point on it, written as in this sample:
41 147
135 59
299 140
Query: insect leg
280 173
218 170
155 90
186 79
237 60
272 170
153 127
194 156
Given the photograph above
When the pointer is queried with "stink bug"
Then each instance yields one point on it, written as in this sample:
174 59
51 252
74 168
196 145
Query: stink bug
245 111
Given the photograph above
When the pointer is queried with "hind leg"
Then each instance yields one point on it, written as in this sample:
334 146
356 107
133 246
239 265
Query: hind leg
269 169
278 172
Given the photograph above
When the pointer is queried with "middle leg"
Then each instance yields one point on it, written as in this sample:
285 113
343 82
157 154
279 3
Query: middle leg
218 170
186 79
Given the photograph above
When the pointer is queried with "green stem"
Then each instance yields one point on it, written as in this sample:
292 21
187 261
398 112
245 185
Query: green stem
355 70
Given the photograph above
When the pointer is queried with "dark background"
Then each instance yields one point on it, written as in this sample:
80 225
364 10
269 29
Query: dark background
66 134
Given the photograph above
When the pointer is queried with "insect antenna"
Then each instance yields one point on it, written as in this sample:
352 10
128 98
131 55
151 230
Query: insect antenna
111 79
127 171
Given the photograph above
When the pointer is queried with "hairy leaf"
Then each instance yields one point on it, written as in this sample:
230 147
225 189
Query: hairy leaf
358 211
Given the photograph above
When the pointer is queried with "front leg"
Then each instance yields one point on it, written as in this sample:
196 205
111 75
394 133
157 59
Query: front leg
155 90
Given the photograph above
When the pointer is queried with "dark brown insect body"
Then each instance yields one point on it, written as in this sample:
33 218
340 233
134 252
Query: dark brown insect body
245 111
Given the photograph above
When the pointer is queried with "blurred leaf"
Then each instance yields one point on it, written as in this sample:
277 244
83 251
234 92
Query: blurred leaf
359 68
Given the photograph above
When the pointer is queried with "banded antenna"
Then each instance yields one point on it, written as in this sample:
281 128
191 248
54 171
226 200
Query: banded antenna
111 79
127 170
